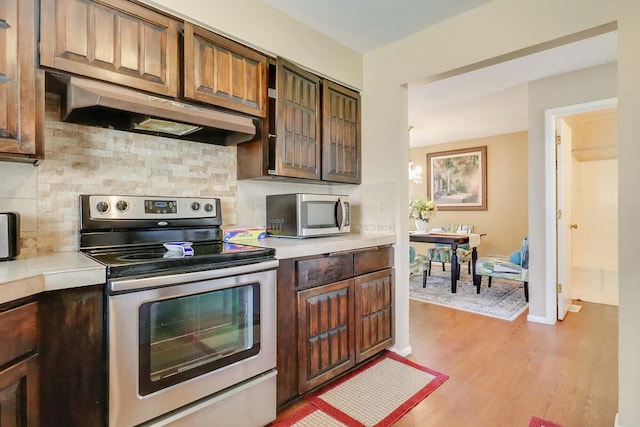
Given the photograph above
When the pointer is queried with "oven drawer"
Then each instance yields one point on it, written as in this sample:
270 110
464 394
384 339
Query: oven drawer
259 394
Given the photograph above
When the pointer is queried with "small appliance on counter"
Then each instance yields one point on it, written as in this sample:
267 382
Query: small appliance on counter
9 235
300 215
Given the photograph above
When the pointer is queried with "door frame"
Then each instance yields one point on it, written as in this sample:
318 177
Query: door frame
550 118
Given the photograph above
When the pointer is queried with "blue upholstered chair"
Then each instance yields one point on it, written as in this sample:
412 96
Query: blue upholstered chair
442 252
505 267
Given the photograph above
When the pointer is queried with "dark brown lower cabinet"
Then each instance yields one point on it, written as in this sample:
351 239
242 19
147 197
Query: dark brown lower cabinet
19 365
73 376
373 313
325 325
19 394
334 311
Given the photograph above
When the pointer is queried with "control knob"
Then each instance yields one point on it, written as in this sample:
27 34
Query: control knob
102 207
208 207
122 205
195 206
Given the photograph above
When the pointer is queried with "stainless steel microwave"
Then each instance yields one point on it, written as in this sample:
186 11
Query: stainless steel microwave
301 215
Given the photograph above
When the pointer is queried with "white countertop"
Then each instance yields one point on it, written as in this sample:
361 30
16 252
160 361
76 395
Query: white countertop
293 248
31 274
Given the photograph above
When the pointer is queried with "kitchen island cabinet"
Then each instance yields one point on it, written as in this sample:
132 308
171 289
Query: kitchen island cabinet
341 304
21 84
19 380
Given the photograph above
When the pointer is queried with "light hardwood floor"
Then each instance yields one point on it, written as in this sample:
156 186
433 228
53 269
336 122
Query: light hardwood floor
501 373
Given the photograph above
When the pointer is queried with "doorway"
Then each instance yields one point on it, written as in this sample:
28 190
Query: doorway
587 256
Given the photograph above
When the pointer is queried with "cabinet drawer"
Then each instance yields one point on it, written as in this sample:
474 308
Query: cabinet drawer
18 332
373 260
322 270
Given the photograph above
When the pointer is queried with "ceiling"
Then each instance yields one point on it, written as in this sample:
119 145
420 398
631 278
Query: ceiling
365 25
488 101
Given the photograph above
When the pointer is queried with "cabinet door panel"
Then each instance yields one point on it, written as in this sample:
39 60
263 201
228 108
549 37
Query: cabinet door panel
221 72
341 134
22 96
373 313
116 41
19 394
298 122
325 321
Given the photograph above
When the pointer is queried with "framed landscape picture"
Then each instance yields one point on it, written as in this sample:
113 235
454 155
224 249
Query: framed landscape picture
457 179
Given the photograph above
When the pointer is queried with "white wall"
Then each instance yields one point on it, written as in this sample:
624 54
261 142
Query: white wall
567 89
497 28
257 24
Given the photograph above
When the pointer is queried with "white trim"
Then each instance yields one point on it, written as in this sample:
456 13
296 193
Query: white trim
402 352
539 319
550 117
616 423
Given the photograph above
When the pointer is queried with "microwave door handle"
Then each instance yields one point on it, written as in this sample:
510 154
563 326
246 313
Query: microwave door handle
340 214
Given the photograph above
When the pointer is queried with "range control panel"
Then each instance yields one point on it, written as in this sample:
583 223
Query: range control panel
144 207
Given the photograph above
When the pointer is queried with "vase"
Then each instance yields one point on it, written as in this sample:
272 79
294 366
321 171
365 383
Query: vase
422 225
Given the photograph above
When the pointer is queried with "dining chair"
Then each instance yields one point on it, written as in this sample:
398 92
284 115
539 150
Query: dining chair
442 252
504 267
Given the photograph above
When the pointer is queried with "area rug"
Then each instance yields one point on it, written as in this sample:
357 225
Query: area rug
376 394
503 300
539 422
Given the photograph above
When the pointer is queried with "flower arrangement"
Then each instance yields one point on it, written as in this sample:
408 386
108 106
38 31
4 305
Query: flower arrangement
423 209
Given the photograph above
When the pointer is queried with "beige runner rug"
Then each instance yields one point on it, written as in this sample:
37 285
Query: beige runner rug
377 394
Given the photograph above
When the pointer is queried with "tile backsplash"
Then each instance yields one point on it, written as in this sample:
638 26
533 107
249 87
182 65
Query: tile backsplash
81 159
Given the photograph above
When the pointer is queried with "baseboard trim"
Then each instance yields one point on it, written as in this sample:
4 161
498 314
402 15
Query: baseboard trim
538 319
402 352
615 423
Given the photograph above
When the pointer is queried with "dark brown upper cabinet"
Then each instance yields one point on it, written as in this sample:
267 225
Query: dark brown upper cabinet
297 152
312 131
222 72
341 159
116 41
21 84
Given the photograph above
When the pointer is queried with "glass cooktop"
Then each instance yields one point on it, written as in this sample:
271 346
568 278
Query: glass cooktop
156 259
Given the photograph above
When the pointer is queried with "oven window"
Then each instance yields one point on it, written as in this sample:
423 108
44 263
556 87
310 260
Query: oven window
183 337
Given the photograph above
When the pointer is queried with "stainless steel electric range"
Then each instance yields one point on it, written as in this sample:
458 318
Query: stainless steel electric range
191 319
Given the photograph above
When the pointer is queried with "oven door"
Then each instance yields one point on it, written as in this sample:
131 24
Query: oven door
177 343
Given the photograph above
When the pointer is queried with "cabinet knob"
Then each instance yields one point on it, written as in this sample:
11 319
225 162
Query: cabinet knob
574 226
4 24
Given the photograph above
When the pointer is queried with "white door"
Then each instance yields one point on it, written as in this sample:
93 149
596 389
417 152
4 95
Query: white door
564 180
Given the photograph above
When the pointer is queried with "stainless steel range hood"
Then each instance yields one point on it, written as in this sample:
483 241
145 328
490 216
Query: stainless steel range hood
101 104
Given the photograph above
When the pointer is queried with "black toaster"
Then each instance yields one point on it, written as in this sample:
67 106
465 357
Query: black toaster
9 235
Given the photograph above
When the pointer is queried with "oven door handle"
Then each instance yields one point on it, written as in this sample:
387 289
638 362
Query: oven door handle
175 279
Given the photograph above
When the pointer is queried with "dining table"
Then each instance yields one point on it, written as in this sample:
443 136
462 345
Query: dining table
454 240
